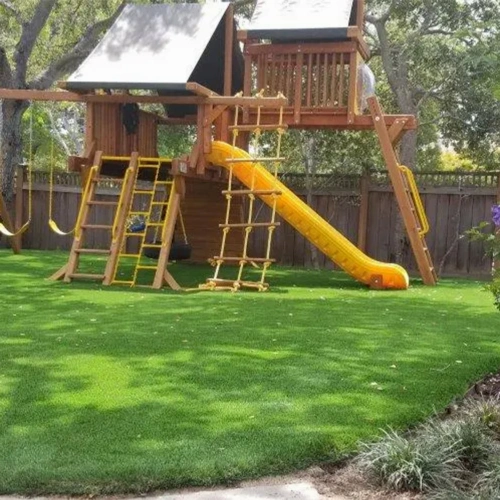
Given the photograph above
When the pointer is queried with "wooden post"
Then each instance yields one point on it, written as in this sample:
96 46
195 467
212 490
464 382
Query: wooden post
298 88
352 102
19 206
363 210
360 14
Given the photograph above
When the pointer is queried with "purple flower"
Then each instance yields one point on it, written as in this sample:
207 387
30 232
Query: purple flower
495 212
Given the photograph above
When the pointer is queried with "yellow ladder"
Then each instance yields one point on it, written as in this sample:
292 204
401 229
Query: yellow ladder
83 226
157 220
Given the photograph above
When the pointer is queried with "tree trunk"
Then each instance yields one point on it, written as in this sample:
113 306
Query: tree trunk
408 151
10 143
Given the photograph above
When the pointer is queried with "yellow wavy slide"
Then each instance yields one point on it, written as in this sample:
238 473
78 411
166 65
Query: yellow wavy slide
308 223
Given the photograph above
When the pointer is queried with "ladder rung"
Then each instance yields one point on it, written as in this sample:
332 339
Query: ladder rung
87 276
255 160
103 203
255 192
157 203
154 224
147 267
163 183
120 282
252 128
256 224
226 284
151 245
243 259
137 235
129 256
143 191
150 165
138 213
96 226
92 251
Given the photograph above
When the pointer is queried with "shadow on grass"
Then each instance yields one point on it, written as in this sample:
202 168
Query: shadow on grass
117 391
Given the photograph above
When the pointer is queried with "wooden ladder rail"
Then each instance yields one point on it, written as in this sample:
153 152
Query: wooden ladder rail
403 198
120 222
68 270
162 275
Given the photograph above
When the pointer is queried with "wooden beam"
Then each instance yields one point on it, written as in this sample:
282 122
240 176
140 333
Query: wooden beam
330 119
352 100
304 48
356 33
215 113
228 51
397 130
200 90
62 96
251 102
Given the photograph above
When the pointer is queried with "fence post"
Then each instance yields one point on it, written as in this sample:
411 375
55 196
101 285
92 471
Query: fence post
19 204
363 210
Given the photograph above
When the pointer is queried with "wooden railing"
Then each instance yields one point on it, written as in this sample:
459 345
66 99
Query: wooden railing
313 77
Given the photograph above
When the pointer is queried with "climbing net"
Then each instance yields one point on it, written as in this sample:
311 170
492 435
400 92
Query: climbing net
261 183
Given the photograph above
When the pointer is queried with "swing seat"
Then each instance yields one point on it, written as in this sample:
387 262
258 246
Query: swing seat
178 251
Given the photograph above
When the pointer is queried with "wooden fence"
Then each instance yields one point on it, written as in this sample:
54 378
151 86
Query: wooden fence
362 208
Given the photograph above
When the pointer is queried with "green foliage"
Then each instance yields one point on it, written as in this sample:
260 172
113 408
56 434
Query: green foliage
411 464
491 240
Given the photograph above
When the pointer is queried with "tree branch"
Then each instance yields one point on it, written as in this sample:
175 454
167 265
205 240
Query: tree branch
76 55
30 33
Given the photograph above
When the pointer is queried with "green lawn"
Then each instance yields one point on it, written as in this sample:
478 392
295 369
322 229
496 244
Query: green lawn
112 390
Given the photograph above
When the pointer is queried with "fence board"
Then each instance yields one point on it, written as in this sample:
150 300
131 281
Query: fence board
453 201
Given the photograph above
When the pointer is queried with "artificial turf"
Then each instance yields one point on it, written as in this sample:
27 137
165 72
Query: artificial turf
116 390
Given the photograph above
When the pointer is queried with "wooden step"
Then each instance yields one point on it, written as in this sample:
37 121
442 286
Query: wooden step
246 192
244 226
103 203
92 251
96 226
247 259
108 179
252 128
81 276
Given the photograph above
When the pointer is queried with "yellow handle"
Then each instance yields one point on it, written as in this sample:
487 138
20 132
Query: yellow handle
412 183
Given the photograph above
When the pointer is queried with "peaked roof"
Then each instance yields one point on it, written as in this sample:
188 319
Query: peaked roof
151 47
301 19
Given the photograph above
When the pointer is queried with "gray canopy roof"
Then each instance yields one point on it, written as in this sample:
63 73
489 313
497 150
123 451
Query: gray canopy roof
301 19
158 47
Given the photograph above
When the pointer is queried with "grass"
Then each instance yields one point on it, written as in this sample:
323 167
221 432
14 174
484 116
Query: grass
111 390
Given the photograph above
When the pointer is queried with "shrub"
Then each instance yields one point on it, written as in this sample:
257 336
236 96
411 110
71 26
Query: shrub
485 411
491 240
414 464
470 440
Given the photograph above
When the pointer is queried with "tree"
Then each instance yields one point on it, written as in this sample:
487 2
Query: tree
425 48
43 45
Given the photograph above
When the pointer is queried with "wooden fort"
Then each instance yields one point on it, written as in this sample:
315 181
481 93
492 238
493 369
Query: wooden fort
228 84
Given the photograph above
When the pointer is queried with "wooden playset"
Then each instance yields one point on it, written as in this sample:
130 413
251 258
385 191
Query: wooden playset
187 58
